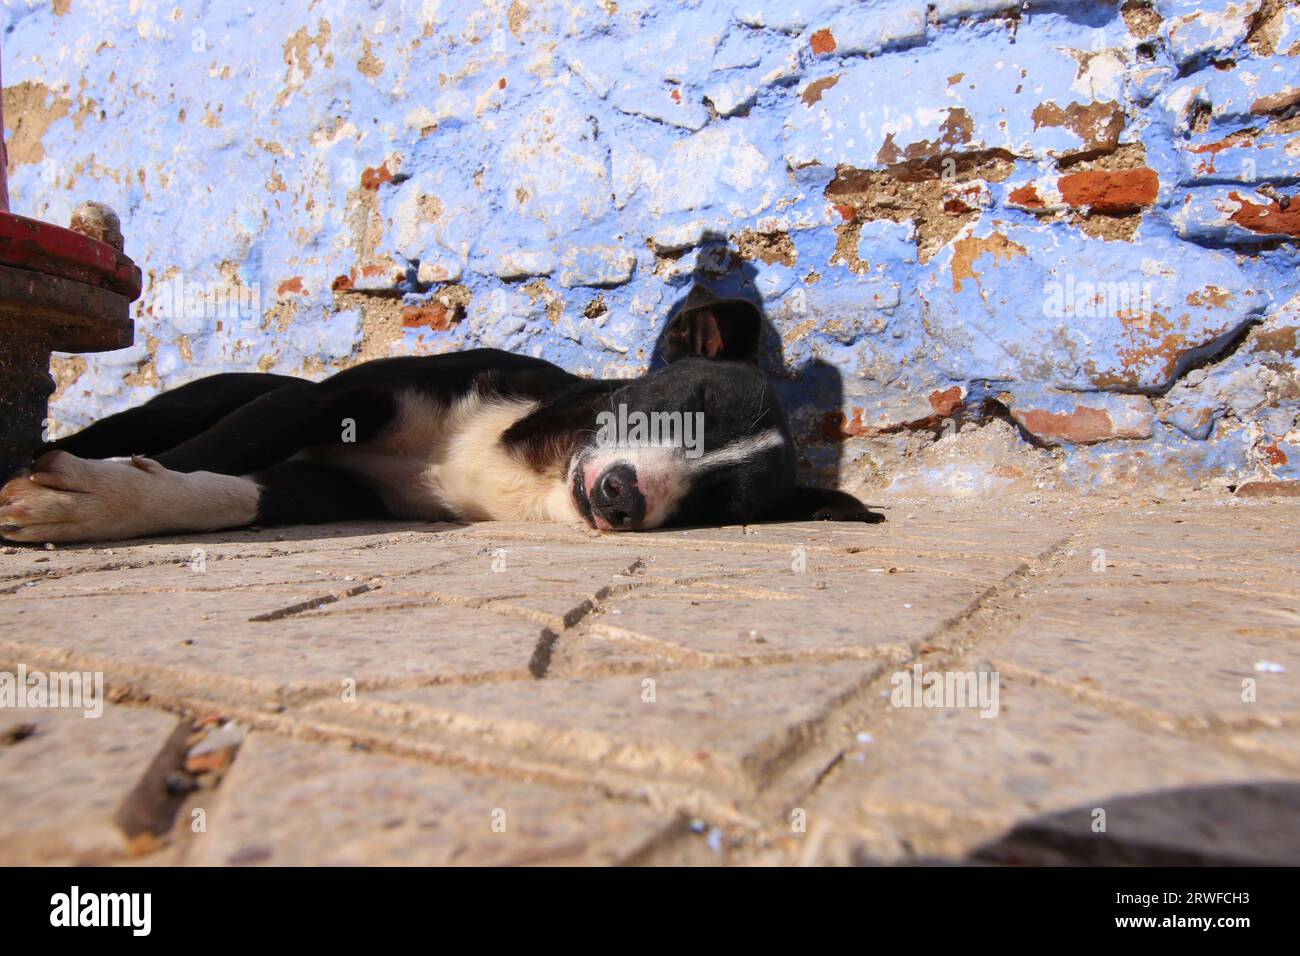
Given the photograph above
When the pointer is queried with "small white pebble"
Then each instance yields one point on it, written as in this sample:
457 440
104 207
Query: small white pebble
907 605
1268 667
865 738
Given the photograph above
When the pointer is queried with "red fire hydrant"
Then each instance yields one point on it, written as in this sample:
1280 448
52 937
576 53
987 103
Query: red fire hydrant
61 290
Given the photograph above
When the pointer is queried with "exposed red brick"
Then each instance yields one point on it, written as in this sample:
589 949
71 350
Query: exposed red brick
1081 426
823 42
1274 455
1270 220
846 211
1269 489
501 85
1085 424
839 426
1242 138
1111 191
676 95
372 269
341 283
290 285
434 316
374 177
1026 196
946 402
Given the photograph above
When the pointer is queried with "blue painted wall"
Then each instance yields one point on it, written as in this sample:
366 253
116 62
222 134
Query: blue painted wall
1001 245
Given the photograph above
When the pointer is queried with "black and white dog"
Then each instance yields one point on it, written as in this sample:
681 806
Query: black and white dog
467 436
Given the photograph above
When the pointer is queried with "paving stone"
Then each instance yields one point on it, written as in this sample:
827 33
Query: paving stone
1170 649
945 783
500 572
290 803
74 788
1121 685
782 613
707 561
222 544
205 643
197 573
898 533
735 727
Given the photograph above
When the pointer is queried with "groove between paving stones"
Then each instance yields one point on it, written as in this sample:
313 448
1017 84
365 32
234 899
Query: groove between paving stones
540 662
673 796
809 771
313 604
673 657
808 764
1211 730
989 613
164 688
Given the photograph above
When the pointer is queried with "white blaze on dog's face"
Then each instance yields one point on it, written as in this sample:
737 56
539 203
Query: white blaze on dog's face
700 442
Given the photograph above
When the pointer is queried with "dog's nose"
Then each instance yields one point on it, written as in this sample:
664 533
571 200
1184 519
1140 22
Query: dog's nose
616 499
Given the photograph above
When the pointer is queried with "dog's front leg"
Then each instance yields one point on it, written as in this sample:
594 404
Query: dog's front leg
74 499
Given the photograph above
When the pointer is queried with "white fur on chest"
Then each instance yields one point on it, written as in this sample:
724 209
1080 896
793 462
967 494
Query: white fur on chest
438 462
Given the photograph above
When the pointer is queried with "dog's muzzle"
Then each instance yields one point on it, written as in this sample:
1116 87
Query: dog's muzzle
617 504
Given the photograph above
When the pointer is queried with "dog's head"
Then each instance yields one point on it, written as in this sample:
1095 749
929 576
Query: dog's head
703 440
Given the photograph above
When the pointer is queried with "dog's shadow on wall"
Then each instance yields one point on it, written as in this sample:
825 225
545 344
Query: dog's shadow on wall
812 393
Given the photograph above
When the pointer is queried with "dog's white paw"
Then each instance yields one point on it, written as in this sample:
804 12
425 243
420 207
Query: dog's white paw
75 499
72 499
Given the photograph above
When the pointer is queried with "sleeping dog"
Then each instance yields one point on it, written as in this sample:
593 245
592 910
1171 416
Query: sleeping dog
467 436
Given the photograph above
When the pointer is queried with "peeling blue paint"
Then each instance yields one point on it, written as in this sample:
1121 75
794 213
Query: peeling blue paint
571 167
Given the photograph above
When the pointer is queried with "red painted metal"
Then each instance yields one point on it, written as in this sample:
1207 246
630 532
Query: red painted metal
42 247
4 160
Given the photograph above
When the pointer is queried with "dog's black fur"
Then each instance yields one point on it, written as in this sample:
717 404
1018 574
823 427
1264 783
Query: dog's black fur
463 436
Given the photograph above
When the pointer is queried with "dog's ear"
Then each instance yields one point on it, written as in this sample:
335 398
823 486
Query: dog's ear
713 328
823 504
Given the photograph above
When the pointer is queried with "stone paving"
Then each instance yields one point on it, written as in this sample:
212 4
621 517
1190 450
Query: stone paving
532 694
